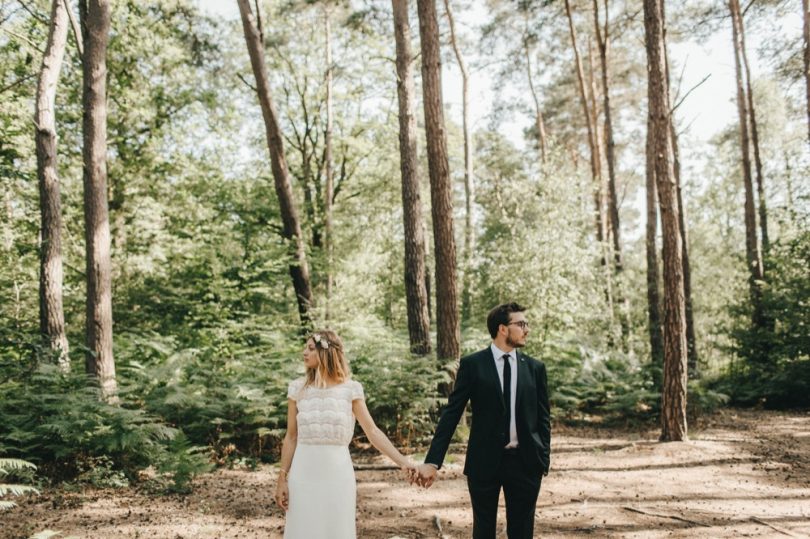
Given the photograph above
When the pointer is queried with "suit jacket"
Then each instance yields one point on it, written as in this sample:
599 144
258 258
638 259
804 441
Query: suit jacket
477 381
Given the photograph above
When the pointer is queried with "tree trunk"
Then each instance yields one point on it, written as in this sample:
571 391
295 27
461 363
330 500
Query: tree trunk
763 214
653 296
469 184
51 312
673 398
603 41
540 125
327 197
299 269
691 339
752 249
447 327
95 17
596 173
416 294
806 34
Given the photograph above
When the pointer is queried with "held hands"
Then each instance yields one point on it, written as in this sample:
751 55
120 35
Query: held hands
423 475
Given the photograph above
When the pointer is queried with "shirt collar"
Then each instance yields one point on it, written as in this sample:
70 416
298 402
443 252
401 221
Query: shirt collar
498 353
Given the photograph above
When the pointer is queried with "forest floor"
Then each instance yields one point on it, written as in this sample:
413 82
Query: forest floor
744 473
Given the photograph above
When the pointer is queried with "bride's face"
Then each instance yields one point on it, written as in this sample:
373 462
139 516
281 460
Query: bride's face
310 355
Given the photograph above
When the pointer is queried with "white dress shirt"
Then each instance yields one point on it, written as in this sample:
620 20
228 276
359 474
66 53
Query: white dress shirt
498 355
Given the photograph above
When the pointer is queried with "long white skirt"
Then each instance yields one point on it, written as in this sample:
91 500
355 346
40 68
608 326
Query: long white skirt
323 494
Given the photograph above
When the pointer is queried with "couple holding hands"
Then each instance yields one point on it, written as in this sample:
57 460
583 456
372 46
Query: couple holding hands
509 444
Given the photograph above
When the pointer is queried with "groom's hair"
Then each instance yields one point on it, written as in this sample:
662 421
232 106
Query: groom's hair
500 315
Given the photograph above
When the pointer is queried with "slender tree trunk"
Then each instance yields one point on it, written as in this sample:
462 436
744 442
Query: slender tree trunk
447 326
763 213
327 197
603 41
540 125
416 294
752 248
691 339
95 17
299 269
653 296
806 34
469 183
596 173
673 399
51 312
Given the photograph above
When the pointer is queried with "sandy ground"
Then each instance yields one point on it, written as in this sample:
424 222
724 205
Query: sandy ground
743 474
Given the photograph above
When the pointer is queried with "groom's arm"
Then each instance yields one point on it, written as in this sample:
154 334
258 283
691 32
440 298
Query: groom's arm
451 414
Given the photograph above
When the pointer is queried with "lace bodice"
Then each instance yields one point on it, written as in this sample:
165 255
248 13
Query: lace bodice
325 415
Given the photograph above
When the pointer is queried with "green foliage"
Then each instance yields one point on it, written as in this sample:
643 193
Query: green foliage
774 361
7 465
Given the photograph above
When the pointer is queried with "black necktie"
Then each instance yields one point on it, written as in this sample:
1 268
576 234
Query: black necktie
507 397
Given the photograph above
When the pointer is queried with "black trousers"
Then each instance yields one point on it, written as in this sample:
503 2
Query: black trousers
520 491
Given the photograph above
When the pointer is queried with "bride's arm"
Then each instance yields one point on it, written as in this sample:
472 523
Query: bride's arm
287 452
377 438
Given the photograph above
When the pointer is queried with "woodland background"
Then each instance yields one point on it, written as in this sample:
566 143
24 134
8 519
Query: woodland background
204 325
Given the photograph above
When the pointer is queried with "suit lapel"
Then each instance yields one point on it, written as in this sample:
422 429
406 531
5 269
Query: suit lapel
492 372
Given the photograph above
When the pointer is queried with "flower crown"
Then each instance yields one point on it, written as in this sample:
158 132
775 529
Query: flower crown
320 340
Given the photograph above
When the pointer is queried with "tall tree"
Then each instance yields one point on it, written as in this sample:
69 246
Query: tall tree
469 183
596 168
329 187
603 42
95 22
51 312
539 123
752 245
752 117
691 339
806 34
441 191
673 398
416 294
299 269
654 326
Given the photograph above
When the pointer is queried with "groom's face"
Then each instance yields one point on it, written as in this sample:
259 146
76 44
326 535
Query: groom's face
517 330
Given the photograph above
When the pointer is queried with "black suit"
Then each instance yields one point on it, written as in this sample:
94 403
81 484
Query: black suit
488 466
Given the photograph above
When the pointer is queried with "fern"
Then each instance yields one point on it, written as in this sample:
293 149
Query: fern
14 490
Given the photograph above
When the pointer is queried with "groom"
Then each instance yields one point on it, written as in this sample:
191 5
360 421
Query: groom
510 436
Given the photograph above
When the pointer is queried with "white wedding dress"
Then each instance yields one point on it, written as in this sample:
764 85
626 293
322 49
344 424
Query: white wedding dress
323 491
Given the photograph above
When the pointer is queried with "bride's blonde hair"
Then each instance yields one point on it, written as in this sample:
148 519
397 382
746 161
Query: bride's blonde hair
332 364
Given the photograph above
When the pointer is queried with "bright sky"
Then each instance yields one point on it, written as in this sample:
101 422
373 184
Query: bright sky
706 111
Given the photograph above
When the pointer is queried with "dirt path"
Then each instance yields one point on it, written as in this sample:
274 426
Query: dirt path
743 474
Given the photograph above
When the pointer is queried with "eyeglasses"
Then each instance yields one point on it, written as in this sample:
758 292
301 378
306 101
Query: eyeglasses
522 324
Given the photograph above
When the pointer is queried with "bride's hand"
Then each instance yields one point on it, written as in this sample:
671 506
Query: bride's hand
409 470
283 494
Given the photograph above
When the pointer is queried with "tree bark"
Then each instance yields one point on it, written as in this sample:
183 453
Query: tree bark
691 339
416 294
540 125
95 17
603 41
51 312
469 182
806 34
752 247
763 213
654 326
329 189
447 326
673 398
299 269
596 173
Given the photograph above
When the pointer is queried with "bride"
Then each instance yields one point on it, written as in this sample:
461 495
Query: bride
316 469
